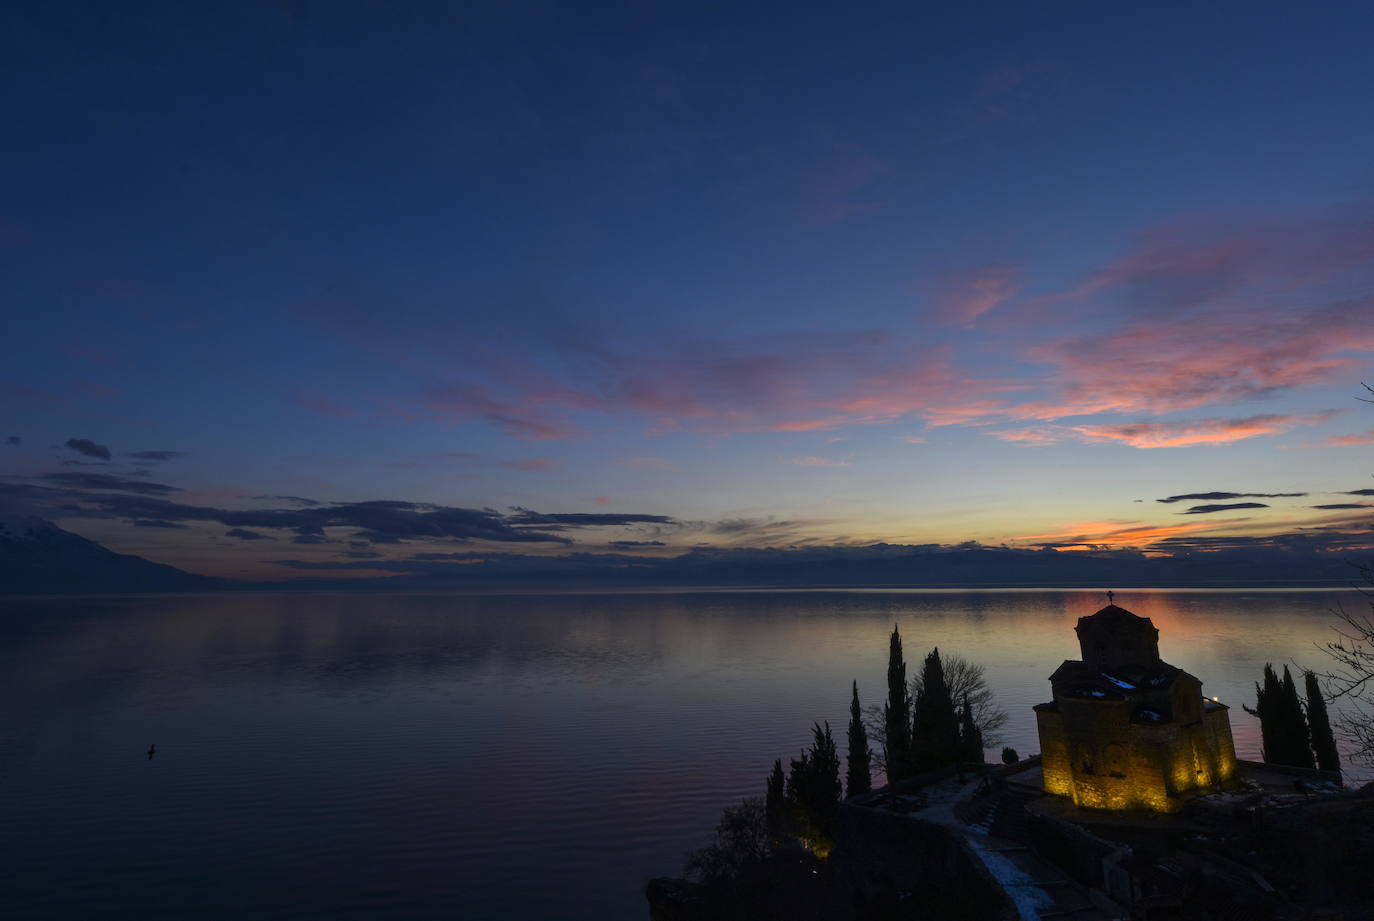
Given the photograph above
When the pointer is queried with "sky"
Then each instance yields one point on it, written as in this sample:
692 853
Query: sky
328 283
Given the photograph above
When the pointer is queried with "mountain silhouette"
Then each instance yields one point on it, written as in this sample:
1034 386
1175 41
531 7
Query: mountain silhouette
38 558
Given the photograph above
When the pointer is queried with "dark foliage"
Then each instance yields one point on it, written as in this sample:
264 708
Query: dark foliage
897 714
775 802
970 738
1283 727
813 788
1009 755
966 679
1323 740
740 848
935 738
858 777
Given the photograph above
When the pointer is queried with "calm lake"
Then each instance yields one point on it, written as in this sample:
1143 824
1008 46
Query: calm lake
505 757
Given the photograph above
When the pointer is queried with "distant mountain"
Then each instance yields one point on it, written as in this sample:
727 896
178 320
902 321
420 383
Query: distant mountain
37 557
875 566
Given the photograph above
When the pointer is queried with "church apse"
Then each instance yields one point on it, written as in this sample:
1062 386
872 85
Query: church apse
1125 729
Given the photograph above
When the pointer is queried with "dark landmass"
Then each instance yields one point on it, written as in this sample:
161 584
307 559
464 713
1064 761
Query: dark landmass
37 557
877 566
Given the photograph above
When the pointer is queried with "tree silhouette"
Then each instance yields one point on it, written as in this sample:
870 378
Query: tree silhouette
1323 741
1283 728
813 788
858 778
896 713
740 848
967 679
935 723
775 802
970 737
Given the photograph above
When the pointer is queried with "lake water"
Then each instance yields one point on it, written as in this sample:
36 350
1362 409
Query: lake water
504 757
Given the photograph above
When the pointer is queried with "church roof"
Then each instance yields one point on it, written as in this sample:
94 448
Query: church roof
1114 612
1116 683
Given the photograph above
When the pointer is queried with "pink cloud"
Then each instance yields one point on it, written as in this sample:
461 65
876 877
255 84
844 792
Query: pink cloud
965 297
1169 365
1167 434
1205 325
1088 535
521 416
602 500
1346 441
1040 435
807 425
1201 261
788 383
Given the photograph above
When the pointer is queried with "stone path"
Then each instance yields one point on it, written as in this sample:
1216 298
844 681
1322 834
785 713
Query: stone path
994 827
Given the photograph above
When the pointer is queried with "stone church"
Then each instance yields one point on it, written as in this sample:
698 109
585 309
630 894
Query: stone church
1126 730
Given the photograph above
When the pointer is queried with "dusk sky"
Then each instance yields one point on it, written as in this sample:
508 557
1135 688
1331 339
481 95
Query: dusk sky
637 278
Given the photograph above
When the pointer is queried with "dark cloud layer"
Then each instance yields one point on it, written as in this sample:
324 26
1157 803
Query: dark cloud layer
1218 496
636 543
586 519
14 440
88 448
106 481
297 499
383 521
1296 557
1209 509
1343 505
157 455
244 534
1360 492
156 523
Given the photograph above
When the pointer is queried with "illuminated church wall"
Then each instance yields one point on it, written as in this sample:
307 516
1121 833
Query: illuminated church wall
1126 730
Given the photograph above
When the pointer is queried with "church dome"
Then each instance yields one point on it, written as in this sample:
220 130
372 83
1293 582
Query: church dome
1115 637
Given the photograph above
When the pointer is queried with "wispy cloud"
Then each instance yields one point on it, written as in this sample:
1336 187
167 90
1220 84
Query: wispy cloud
1226 507
1180 434
1110 534
1218 496
964 297
87 448
1349 441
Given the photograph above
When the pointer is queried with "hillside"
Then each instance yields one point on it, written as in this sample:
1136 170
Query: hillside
37 557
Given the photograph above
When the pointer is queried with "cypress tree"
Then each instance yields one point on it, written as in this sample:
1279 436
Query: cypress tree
813 786
897 713
1267 708
825 762
935 723
1323 741
775 803
1299 739
970 738
857 779
1283 727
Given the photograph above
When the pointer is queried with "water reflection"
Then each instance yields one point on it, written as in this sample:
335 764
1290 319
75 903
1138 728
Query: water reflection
516 757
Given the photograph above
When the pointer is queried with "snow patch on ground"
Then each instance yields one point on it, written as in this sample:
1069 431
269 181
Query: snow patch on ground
1017 883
